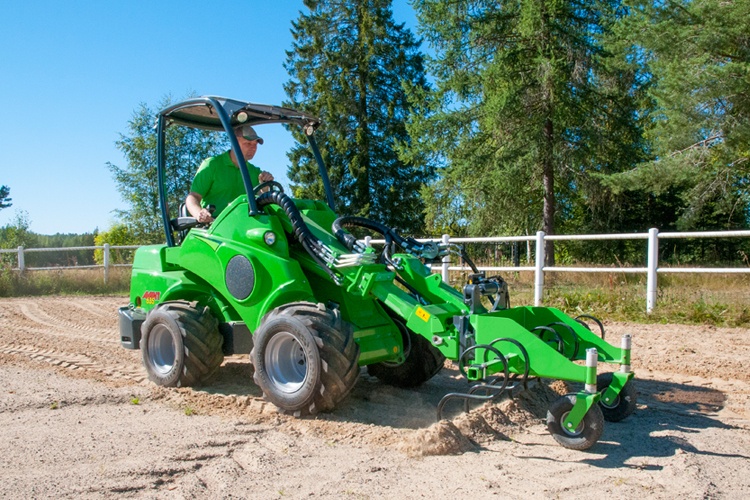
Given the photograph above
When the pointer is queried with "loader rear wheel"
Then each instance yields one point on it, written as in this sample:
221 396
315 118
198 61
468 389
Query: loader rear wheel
423 361
305 358
180 345
623 405
585 435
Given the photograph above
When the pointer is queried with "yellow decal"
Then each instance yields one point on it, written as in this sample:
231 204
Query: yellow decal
423 315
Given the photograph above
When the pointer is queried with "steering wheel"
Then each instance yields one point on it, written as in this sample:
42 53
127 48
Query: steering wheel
268 184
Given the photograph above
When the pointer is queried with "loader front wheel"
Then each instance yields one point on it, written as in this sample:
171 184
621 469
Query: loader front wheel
180 345
305 358
585 435
623 405
422 361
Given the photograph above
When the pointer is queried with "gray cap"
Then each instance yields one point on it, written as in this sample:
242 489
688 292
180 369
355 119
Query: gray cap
248 133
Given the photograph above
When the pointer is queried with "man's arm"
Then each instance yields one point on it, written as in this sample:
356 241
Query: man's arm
193 205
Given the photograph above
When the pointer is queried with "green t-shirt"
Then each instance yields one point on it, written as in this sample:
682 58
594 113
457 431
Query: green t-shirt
219 182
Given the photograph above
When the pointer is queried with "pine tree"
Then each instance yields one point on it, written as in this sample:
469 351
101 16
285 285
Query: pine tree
527 105
698 54
5 200
349 65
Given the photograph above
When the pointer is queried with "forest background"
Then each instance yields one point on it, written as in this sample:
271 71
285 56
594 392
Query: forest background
564 116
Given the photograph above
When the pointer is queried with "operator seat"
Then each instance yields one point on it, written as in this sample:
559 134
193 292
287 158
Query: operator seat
183 223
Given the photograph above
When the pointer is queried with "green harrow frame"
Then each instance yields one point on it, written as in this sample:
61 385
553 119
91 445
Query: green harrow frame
502 348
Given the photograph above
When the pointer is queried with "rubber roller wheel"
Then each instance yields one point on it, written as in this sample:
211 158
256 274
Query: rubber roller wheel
585 435
623 405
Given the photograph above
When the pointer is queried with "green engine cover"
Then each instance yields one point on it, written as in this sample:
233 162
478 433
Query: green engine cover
244 266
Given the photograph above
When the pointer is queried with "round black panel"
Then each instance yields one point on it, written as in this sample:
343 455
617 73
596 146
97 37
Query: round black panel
240 277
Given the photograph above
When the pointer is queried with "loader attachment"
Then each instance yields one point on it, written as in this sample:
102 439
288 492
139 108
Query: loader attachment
499 349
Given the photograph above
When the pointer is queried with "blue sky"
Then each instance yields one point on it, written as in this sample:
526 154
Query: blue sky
73 72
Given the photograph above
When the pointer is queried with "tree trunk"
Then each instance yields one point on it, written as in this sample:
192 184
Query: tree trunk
362 139
548 140
548 180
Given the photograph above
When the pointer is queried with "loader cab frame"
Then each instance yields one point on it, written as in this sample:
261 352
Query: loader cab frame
222 114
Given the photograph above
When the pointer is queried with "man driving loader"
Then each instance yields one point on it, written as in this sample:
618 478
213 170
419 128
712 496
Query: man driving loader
218 180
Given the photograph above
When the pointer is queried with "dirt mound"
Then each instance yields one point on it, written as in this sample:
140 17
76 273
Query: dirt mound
487 423
441 438
474 426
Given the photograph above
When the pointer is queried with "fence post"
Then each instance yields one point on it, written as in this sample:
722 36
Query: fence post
106 263
539 272
21 262
446 260
652 266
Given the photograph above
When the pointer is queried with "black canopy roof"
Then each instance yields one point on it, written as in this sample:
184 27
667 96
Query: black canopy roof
199 113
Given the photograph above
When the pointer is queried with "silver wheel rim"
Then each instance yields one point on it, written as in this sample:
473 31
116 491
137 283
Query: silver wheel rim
286 362
161 349
572 433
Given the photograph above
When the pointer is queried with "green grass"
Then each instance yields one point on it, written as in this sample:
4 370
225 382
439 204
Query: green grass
63 282
712 299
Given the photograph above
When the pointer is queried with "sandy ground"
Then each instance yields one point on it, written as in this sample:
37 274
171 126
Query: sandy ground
78 419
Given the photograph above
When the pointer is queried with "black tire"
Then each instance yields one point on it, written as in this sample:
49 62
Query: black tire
423 361
623 405
305 358
588 432
180 345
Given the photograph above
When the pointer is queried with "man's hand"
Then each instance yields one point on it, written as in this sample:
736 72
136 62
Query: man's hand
264 177
204 216
193 205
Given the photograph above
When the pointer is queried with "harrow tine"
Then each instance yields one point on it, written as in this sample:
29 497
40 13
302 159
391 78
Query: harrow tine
594 319
458 395
527 364
498 392
558 338
576 342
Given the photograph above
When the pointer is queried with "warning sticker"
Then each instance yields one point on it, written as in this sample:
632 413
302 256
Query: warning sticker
422 314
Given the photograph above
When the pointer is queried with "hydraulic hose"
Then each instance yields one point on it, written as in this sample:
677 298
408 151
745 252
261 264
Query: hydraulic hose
391 236
302 232
349 240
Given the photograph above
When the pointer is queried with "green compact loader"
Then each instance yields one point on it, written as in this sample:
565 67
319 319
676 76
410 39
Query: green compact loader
286 281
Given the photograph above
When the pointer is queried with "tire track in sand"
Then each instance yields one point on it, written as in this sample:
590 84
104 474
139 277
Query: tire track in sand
76 362
36 314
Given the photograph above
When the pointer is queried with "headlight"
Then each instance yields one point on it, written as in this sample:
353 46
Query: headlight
269 237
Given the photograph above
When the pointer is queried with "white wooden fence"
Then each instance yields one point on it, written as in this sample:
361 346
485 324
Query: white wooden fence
106 261
652 269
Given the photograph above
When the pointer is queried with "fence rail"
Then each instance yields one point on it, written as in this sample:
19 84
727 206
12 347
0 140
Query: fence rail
105 265
652 269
